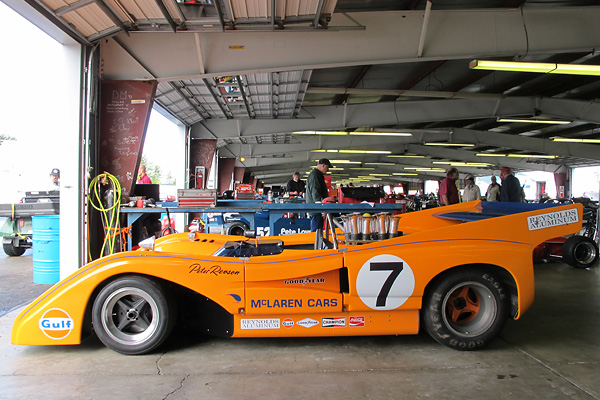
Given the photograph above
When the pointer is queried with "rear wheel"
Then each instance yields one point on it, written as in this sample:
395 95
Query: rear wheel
465 310
580 251
12 251
133 315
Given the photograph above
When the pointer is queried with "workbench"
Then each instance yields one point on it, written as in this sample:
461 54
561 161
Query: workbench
248 208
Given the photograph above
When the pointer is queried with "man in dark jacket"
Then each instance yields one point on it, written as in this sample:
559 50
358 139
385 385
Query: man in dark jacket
511 186
316 191
295 186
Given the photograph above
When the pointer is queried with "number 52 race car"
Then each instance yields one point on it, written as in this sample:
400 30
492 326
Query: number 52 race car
458 272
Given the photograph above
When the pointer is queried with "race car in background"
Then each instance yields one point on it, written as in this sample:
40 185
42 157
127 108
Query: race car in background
17 229
580 250
459 272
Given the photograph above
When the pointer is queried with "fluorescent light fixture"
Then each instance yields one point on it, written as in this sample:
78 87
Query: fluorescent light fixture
320 133
366 151
534 121
430 169
405 156
380 175
404 174
425 169
340 162
490 155
352 151
544 68
363 169
450 144
569 140
461 164
380 163
530 156
470 164
381 133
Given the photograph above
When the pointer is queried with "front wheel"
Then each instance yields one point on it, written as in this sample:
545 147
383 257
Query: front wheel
580 251
133 315
465 310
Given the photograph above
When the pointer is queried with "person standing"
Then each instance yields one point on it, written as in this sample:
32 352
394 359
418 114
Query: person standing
142 177
511 186
295 186
472 191
493 191
316 191
448 189
55 178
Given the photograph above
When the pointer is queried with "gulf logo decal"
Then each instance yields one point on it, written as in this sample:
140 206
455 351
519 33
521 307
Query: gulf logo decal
287 323
56 324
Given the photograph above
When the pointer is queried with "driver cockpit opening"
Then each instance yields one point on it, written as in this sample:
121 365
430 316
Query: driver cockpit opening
250 248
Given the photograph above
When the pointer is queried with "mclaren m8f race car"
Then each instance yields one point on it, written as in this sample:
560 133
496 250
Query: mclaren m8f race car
458 272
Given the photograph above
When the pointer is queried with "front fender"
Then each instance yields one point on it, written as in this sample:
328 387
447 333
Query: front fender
56 317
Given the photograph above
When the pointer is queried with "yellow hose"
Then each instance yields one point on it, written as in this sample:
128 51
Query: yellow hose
110 224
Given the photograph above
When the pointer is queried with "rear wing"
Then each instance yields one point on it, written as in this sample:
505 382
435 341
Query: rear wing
530 223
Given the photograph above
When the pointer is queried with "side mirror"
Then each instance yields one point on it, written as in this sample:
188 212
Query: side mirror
250 234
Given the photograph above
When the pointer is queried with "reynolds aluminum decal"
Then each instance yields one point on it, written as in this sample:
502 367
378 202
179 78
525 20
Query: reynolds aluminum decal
549 220
260 323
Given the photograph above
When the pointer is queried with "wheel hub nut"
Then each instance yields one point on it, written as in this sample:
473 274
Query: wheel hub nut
460 303
132 314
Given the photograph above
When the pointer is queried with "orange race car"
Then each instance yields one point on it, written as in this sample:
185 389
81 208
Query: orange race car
460 271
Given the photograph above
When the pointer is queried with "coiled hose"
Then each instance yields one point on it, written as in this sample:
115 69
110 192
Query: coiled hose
110 215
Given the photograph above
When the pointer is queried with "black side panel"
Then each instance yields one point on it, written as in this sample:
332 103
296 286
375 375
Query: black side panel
201 313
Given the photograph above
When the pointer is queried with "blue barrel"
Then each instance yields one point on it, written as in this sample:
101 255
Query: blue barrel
46 249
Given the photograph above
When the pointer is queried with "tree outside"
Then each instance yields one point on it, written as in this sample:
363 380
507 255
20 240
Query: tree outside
155 173
4 138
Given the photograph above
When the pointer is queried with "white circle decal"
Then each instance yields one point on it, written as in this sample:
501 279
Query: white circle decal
385 282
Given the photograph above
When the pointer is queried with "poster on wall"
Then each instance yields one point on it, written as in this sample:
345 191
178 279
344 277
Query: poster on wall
124 114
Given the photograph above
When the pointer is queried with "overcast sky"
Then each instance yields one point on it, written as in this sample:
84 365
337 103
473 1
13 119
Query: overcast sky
32 76
29 104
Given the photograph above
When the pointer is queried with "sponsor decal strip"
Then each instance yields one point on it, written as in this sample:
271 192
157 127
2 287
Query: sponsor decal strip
260 323
303 281
333 322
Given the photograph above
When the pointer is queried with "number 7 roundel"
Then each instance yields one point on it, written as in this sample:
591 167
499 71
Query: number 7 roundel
385 282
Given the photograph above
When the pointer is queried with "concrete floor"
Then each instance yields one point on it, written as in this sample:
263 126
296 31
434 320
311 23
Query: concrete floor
553 352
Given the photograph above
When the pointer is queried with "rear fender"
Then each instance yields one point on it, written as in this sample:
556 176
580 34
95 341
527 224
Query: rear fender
505 277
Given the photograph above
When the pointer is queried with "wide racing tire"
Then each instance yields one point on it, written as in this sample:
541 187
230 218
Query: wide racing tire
466 309
133 315
236 228
12 251
580 251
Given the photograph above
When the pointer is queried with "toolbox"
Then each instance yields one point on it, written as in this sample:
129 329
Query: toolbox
196 198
